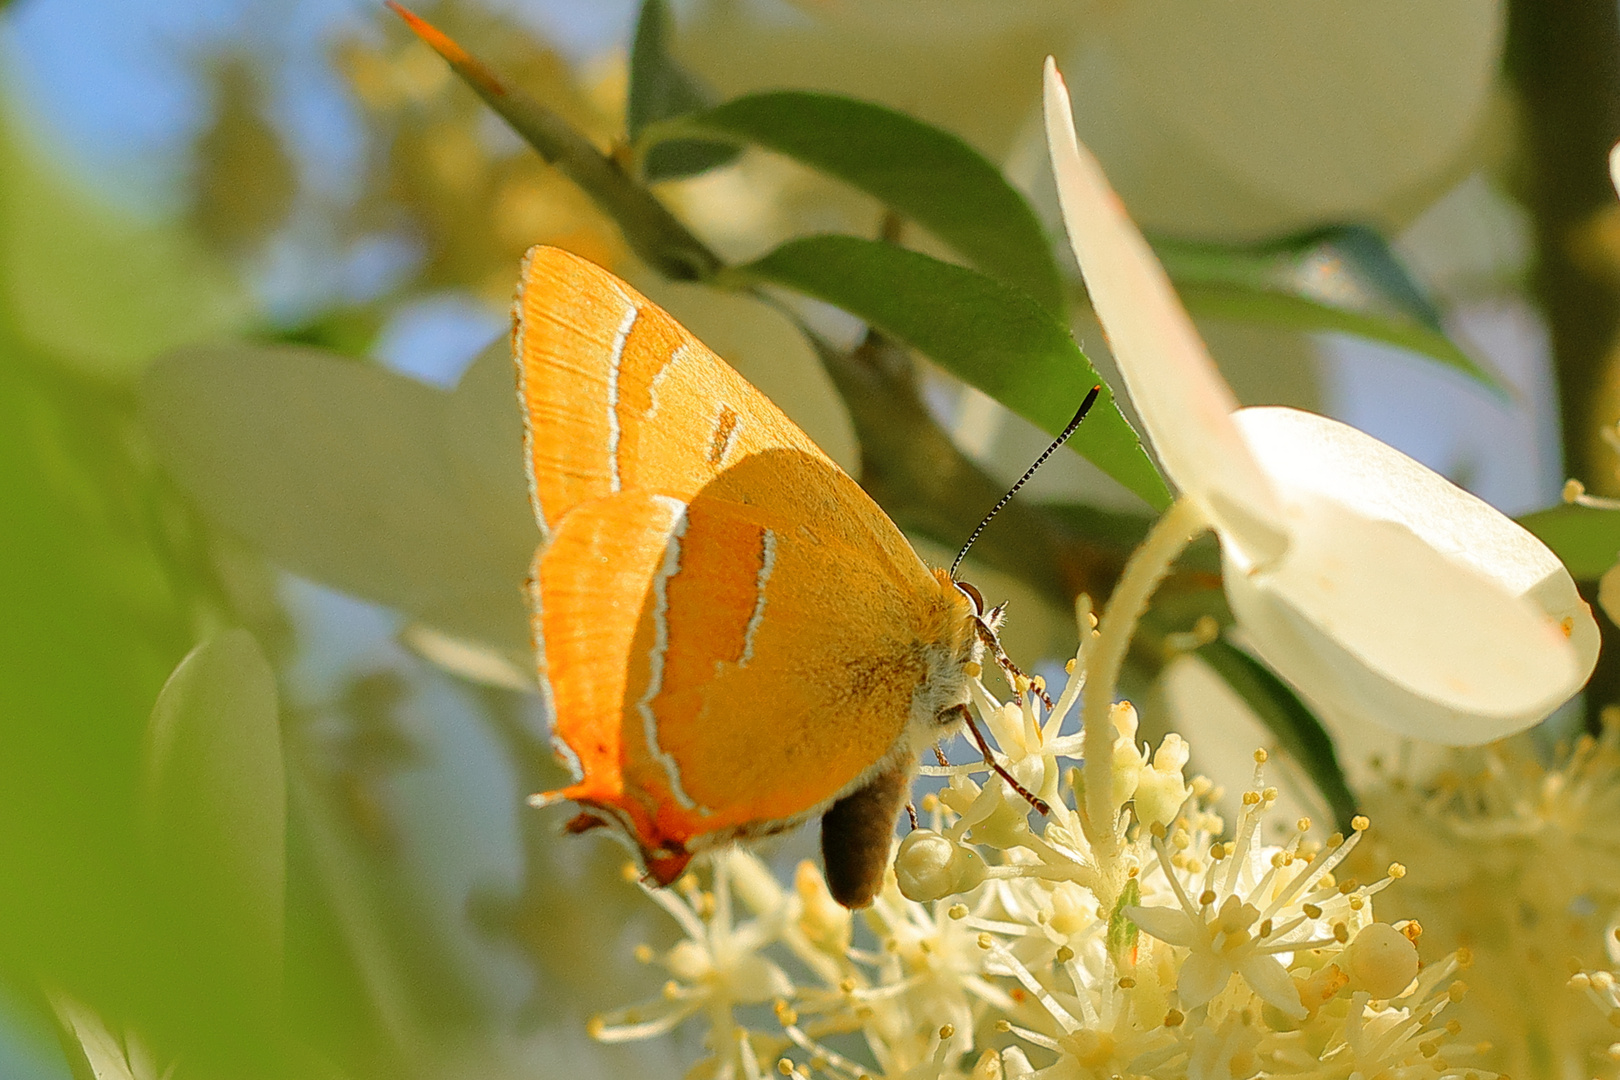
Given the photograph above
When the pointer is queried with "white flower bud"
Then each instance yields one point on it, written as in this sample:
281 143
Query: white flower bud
1126 771
1382 961
930 866
1161 789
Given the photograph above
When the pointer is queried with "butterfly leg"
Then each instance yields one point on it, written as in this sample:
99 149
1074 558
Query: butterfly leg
993 643
1000 770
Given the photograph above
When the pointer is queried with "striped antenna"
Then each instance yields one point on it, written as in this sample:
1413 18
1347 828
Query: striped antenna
1085 407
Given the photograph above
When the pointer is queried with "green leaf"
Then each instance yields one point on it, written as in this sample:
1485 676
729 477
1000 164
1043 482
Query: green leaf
1342 278
924 174
360 478
649 228
660 89
214 810
1586 538
986 333
1297 729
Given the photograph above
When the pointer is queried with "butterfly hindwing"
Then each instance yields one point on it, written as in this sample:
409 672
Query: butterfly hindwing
731 630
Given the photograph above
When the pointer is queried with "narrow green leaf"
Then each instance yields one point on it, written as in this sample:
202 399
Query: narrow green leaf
985 332
1586 538
1342 278
924 174
214 808
650 229
1297 729
660 89
357 477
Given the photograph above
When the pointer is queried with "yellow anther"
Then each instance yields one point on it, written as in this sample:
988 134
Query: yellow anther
1064 954
1174 1017
1360 823
946 1031
957 911
985 942
1397 871
1260 757
1127 983
1206 897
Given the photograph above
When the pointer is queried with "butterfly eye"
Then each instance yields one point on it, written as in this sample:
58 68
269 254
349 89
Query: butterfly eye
973 595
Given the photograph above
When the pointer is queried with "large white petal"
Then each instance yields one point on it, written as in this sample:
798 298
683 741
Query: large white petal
1404 599
1180 396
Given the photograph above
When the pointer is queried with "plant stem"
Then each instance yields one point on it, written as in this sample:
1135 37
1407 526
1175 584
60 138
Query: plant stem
1147 567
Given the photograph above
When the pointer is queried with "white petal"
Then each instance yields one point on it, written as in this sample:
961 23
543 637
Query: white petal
1170 925
1203 975
753 978
1182 400
1404 599
1269 980
1614 167
657 1017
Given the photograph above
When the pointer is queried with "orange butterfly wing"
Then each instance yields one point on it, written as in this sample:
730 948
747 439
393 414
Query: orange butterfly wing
731 630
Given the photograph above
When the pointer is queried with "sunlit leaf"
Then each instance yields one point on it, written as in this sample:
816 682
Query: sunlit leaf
356 477
661 89
214 806
1586 538
1343 279
984 332
923 173
483 435
1296 728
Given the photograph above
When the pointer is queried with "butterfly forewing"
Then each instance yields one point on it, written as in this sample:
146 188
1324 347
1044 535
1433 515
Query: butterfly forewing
731 629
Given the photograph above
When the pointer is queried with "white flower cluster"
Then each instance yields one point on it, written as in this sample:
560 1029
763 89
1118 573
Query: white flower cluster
1008 945
1521 866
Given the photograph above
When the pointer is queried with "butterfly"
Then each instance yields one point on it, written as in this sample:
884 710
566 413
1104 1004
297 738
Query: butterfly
733 637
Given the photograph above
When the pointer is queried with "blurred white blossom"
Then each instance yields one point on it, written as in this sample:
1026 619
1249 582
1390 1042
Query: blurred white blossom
1006 944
